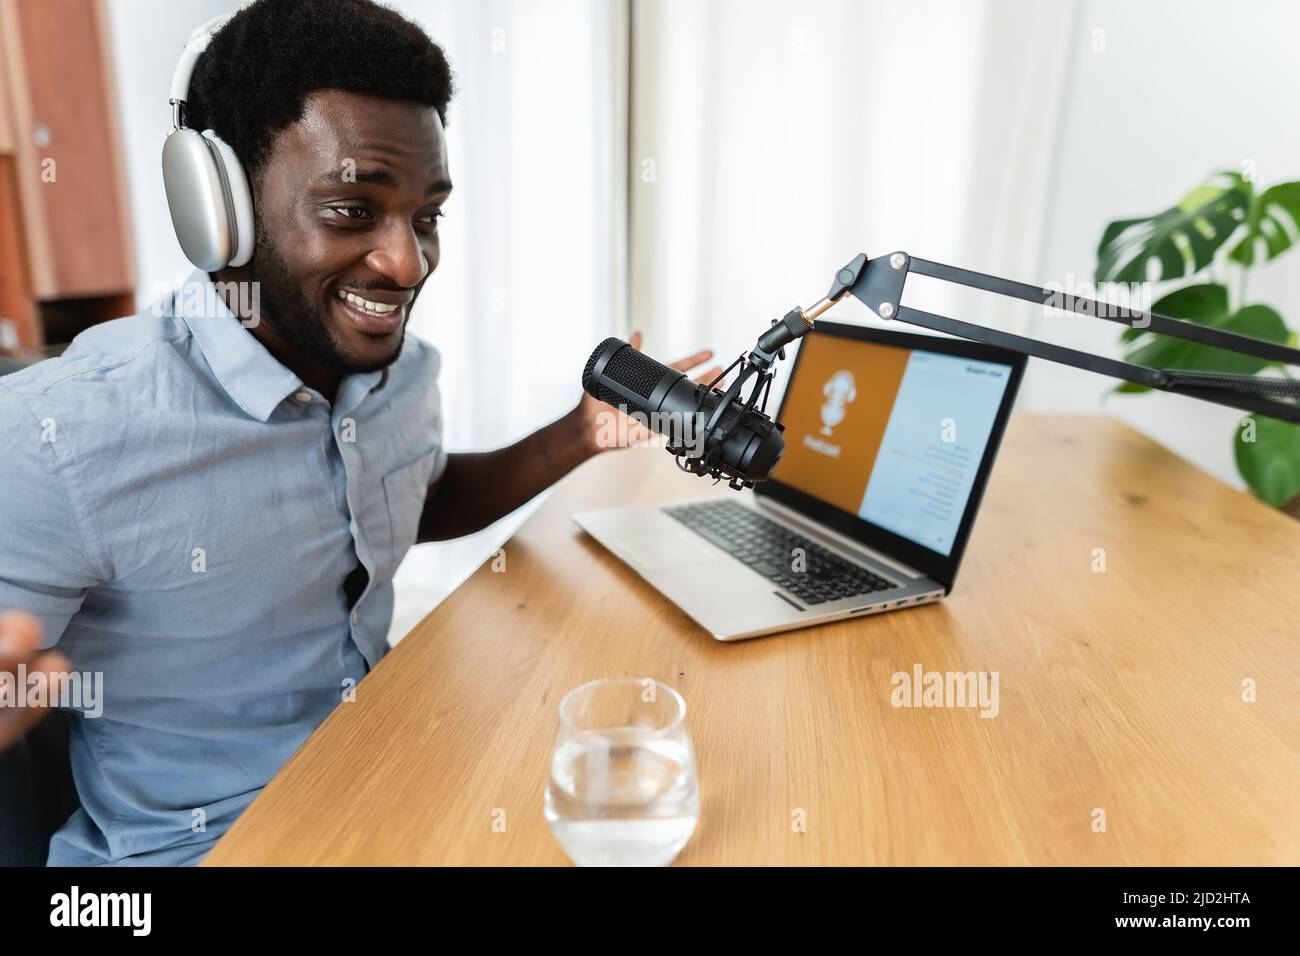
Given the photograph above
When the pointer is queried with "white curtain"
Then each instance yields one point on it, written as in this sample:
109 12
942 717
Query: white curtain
756 145
533 244
773 141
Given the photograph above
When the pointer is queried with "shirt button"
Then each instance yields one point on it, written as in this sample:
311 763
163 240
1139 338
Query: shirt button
354 617
303 397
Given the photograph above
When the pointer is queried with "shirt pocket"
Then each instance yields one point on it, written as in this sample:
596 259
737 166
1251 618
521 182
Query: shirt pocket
405 489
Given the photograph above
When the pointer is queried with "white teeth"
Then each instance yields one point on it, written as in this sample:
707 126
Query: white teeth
377 308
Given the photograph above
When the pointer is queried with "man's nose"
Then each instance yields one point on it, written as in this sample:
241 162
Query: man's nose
399 258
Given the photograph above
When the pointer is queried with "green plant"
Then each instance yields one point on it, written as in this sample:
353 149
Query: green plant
1215 236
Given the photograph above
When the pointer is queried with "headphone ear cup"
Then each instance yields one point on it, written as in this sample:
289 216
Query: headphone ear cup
196 196
239 200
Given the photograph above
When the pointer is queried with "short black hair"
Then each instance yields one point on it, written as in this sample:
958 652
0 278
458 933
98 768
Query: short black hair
253 79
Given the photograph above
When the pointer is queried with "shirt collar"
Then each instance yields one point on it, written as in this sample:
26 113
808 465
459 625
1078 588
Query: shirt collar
354 389
249 373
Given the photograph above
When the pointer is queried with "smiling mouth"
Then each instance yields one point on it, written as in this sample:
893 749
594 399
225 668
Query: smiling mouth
366 305
373 318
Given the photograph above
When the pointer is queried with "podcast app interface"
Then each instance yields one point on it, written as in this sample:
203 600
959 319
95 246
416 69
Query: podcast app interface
892 435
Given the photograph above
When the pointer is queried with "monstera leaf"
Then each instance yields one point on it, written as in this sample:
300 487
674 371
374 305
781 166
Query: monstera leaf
1272 220
1271 463
1196 302
1181 240
1224 213
1205 305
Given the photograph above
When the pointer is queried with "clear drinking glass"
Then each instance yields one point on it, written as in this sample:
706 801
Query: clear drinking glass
622 788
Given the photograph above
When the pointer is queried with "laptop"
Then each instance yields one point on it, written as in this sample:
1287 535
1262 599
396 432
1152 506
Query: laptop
890 438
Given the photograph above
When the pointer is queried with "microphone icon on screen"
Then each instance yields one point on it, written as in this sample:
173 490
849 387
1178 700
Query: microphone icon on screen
840 389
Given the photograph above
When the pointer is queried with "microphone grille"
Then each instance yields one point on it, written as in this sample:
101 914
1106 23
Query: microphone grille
633 370
595 356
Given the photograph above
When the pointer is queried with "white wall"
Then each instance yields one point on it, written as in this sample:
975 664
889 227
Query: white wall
773 141
1183 87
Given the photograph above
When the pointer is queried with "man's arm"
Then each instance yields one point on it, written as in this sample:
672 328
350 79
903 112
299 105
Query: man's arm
44 571
475 490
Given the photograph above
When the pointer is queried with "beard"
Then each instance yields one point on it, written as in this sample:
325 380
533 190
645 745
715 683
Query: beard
293 317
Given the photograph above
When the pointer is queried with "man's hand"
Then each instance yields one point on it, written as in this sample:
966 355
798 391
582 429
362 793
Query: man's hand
20 639
478 488
609 428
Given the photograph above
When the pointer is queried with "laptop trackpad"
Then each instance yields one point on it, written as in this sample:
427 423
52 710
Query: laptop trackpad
655 552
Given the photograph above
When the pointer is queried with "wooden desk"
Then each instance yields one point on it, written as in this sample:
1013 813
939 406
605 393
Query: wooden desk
1120 690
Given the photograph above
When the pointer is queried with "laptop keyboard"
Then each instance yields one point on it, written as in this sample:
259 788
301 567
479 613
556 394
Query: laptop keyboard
769 548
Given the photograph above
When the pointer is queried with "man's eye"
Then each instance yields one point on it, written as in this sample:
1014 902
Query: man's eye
430 218
352 212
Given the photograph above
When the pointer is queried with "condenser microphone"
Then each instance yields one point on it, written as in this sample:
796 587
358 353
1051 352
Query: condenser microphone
733 440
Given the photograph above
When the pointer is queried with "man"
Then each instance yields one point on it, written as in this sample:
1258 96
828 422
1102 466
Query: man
208 512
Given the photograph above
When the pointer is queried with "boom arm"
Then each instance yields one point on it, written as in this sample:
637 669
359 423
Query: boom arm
879 282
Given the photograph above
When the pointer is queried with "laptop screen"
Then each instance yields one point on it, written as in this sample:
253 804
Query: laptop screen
895 429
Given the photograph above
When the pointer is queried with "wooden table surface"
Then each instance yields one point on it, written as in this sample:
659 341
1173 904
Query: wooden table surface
1120 690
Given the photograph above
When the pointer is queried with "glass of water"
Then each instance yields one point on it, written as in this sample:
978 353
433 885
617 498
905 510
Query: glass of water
622 788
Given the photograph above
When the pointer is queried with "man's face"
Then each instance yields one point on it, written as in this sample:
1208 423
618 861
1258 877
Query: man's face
347 207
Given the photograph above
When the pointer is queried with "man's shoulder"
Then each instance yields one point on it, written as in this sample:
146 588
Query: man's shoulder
107 354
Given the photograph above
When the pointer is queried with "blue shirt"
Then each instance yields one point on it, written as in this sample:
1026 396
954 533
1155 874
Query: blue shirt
181 513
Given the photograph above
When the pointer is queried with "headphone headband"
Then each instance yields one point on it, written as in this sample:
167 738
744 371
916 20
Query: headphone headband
198 42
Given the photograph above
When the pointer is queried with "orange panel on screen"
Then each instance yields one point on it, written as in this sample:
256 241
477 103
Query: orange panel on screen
836 410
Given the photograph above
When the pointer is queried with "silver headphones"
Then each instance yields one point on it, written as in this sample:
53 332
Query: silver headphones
207 191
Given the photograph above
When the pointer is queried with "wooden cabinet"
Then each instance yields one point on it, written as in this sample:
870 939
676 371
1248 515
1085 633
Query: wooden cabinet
65 246
18 325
